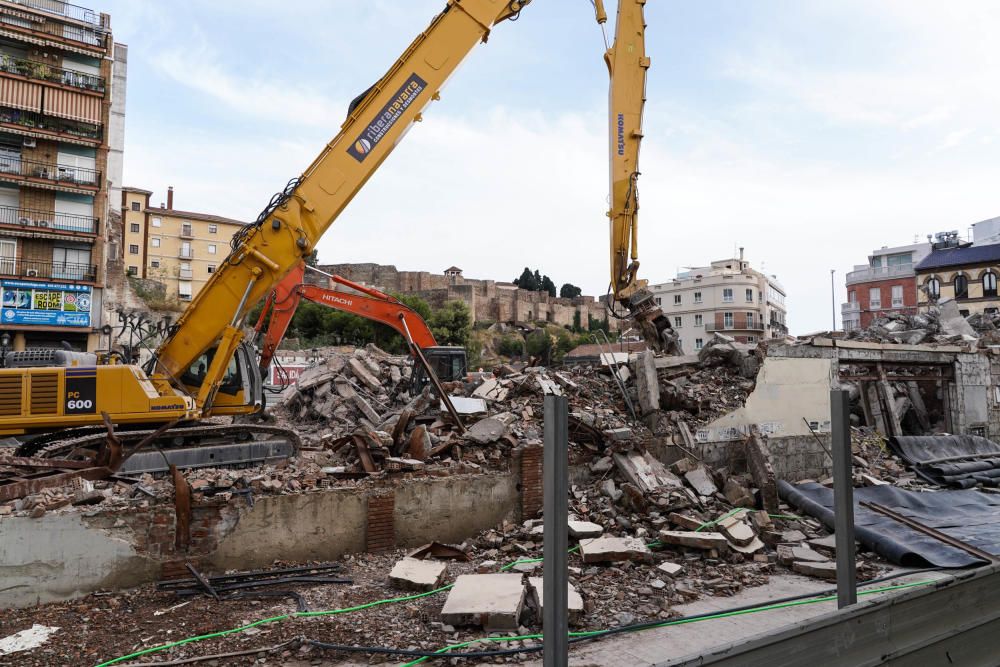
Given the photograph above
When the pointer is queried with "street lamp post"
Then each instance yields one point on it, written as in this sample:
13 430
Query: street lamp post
833 301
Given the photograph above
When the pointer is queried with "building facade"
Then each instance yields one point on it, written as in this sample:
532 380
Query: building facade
56 92
887 284
966 273
728 297
180 249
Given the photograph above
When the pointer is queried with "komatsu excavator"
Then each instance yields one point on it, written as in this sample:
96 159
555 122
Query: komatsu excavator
204 368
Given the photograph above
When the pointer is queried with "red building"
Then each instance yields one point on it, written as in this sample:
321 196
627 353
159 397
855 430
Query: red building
887 284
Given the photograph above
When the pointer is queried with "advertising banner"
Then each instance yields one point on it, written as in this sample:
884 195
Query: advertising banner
48 304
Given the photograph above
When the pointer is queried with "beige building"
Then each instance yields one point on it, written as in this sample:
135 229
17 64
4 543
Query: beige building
727 297
61 135
180 249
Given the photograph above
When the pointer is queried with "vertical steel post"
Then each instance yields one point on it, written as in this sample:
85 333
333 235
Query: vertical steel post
555 480
843 497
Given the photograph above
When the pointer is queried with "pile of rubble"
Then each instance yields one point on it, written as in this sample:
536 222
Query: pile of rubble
941 324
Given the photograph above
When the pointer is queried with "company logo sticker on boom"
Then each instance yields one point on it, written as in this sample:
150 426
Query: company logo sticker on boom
362 146
621 134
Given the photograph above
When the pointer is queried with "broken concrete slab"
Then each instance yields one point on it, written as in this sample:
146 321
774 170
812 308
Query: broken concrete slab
486 431
361 372
493 601
610 549
685 521
366 409
491 389
951 320
585 529
737 494
787 554
736 531
575 601
690 538
647 383
701 481
644 471
753 546
824 570
669 568
466 406
413 574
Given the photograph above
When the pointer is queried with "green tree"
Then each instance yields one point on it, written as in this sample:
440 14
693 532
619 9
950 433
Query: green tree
547 286
313 258
527 280
510 346
569 291
577 322
452 323
539 344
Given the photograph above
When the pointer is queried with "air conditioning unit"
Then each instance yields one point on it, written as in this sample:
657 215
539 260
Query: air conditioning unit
24 222
29 142
31 273
41 223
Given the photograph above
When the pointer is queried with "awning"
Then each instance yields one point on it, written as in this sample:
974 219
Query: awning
75 106
20 94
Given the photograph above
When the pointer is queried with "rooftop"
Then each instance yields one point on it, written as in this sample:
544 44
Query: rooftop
960 256
174 213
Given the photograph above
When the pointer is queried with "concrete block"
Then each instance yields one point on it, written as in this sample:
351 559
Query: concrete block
692 539
700 481
493 601
486 431
584 529
574 602
609 549
413 574
827 570
671 569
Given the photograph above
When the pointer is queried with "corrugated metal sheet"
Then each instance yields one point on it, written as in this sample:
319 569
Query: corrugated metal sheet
20 94
67 104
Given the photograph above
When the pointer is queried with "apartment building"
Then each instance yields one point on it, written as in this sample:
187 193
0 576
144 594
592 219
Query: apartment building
180 249
886 284
56 70
963 271
729 297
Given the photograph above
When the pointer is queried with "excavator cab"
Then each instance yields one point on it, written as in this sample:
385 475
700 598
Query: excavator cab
241 391
448 362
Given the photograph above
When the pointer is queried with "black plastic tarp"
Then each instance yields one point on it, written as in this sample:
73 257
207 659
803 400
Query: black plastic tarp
962 461
968 515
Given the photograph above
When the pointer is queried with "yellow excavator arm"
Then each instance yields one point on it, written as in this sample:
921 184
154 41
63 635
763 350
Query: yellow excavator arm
627 64
289 228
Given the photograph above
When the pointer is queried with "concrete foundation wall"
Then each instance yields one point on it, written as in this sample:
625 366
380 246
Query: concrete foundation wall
63 556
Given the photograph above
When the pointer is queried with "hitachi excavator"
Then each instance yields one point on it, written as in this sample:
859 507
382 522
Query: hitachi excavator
204 367
435 362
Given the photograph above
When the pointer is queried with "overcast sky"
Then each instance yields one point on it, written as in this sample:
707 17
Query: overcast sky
808 132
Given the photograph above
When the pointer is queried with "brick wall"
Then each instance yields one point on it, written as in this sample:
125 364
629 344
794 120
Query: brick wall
863 292
380 534
39 200
532 499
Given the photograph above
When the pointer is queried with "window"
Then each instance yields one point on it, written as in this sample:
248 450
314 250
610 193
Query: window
698 321
135 206
155 242
751 339
727 295
749 295
187 229
134 227
186 252
698 343
133 249
875 297
8 253
133 270
155 264
678 323
211 248
961 287
213 229
989 284
897 296
211 268
697 297
964 312
677 299
852 296
750 321
934 288
658 301
185 271
71 263
727 320
184 290
156 222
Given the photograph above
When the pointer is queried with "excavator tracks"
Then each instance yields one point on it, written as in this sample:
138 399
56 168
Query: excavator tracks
195 446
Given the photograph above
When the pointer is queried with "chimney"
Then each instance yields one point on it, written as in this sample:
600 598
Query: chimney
741 247
170 198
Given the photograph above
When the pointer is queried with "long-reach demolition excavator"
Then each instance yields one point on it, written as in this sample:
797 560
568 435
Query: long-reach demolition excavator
204 367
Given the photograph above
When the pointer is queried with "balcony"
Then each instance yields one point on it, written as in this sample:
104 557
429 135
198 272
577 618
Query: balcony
32 69
60 8
185 253
24 268
36 124
185 275
17 168
866 274
187 232
756 326
47 220
850 307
